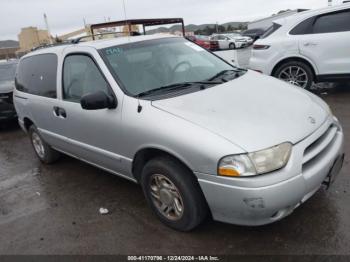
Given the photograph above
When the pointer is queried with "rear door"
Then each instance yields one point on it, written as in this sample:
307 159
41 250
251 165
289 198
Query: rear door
93 135
327 42
36 95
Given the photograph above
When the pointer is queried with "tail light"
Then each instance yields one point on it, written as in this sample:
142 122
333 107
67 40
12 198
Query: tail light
214 45
261 47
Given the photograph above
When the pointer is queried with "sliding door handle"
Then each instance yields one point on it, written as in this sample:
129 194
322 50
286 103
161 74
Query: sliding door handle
59 112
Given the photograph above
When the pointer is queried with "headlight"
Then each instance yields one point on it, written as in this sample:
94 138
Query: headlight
256 163
330 110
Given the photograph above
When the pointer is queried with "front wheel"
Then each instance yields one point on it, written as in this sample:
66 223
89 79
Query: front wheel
296 73
232 46
173 194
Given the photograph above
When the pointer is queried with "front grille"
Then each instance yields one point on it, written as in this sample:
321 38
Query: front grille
315 150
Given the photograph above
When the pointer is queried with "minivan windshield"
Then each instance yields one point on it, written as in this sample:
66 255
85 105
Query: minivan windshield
165 65
7 71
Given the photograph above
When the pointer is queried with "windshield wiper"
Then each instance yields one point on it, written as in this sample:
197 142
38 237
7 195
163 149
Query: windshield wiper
224 73
177 86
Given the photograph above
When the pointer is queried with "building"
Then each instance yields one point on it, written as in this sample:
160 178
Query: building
8 52
267 22
31 37
8 49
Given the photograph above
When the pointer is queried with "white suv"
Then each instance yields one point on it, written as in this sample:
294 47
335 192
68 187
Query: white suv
308 47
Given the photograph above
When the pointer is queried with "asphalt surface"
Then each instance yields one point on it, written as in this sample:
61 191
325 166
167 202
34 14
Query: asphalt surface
55 210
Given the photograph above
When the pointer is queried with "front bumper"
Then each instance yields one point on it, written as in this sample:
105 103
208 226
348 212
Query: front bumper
250 202
241 44
7 109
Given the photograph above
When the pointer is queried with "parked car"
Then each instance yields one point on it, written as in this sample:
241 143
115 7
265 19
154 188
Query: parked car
255 33
308 47
7 84
205 42
200 135
248 39
230 41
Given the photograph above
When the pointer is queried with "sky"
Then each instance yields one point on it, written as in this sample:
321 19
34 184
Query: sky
68 15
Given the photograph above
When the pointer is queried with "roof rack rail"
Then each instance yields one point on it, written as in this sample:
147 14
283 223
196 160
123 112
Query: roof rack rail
78 40
50 45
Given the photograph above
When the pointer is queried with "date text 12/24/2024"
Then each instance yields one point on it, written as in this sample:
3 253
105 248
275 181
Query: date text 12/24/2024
173 258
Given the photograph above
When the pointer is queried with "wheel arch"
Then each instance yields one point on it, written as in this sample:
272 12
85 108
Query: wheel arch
27 122
145 154
295 58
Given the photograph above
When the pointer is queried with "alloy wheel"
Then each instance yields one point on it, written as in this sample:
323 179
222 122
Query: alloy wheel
166 197
38 145
294 75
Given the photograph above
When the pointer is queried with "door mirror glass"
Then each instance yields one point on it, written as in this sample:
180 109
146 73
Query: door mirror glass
98 100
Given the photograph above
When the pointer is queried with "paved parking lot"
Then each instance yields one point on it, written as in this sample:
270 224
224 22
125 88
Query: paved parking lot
54 210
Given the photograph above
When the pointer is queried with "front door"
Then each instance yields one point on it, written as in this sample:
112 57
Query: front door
223 42
93 135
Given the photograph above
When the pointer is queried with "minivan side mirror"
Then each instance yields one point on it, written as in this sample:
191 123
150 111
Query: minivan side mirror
98 100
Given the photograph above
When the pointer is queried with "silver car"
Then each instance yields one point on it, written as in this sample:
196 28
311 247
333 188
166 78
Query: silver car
201 137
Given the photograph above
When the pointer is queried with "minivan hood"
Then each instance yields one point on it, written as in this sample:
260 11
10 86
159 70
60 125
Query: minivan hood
253 111
6 86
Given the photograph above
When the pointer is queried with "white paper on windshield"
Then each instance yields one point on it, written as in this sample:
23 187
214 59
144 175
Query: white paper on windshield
195 47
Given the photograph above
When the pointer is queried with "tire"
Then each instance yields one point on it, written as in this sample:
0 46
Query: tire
44 152
306 78
185 188
232 46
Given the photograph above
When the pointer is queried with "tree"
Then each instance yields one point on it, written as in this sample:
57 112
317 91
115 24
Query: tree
229 28
242 27
221 29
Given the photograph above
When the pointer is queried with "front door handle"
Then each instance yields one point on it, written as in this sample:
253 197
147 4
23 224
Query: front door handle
59 112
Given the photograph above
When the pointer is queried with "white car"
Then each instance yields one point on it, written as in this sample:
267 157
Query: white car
231 41
308 47
241 38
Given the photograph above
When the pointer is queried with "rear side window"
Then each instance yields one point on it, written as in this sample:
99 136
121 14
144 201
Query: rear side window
37 75
328 23
271 30
331 23
304 27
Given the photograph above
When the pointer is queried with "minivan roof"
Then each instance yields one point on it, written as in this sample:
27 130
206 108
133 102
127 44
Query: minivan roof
102 43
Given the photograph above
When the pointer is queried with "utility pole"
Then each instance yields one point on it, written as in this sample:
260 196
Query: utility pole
125 17
48 28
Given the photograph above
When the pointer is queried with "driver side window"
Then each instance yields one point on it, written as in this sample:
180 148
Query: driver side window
81 76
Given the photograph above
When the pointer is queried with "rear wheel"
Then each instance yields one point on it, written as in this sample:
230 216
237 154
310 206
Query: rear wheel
296 73
173 194
45 153
232 46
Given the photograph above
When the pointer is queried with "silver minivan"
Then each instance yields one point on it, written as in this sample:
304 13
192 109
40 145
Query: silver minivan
201 136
